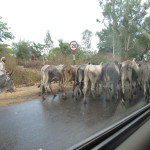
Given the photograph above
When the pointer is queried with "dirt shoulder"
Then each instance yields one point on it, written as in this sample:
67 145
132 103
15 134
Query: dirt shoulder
23 94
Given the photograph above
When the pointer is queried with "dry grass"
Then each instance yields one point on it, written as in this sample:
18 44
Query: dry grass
22 94
25 76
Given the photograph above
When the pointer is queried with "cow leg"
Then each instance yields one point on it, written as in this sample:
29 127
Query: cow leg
43 92
145 90
148 89
73 89
85 90
76 92
112 91
132 85
50 86
64 90
117 91
92 89
123 90
81 89
61 86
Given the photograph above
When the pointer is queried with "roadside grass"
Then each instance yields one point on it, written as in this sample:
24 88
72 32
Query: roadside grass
25 77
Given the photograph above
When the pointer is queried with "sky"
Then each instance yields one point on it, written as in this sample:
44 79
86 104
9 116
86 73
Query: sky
65 19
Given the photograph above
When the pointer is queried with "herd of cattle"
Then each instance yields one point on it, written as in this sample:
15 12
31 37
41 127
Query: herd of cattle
111 77
91 79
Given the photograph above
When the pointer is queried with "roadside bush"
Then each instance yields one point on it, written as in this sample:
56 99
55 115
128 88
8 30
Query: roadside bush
25 77
59 58
36 64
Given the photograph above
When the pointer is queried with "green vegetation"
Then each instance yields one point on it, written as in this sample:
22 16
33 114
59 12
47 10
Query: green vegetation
4 33
24 50
87 37
127 27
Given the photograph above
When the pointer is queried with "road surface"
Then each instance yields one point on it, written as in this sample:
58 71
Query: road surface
58 124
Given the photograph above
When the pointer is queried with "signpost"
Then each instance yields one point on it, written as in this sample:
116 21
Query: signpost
73 46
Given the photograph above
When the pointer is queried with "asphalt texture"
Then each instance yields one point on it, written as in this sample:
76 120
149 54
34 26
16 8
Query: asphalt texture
58 124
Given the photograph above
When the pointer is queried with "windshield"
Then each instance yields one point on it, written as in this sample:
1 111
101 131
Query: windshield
77 67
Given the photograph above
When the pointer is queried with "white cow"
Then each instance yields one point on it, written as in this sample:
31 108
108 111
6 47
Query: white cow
130 72
145 78
49 74
92 74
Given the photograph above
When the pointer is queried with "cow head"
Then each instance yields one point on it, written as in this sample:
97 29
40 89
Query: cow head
9 82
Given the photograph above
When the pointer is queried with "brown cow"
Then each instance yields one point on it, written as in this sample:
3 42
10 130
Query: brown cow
68 73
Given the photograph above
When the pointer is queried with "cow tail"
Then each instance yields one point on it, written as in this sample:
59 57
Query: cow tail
76 78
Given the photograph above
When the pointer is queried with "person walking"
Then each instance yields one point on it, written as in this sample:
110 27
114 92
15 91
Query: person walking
2 66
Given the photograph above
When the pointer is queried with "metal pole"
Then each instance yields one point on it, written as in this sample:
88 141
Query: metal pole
74 59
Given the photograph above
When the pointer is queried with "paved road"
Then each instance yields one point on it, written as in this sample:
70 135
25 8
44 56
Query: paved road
57 124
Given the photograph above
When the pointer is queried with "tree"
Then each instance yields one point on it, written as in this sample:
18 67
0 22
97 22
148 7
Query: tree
87 35
4 33
105 40
64 50
123 19
38 49
24 50
60 41
48 42
64 47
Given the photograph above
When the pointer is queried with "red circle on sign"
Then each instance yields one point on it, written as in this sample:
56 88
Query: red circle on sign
73 45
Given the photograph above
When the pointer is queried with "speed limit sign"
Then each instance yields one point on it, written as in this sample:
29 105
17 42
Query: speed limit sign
73 45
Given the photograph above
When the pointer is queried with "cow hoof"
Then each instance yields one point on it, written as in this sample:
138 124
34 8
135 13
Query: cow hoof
85 102
122 101
43 99
64 97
